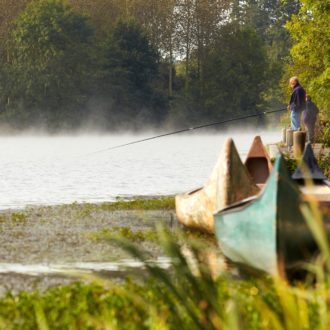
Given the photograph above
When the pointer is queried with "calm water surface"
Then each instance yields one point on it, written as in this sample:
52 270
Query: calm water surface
54 170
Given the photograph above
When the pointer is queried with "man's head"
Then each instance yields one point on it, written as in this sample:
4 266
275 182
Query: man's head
308 98
293 82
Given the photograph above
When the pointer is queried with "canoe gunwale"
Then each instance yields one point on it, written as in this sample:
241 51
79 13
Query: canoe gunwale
239 205
266 226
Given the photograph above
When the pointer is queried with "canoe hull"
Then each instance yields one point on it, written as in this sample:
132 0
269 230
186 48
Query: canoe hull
258 162
229 182
269 233
195 210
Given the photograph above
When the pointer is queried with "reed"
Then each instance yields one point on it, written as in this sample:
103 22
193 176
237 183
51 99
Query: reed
200 301
189 295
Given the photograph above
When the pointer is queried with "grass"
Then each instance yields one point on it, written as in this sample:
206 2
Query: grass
13 217
161 203
165 203
188 296
323 161
125 232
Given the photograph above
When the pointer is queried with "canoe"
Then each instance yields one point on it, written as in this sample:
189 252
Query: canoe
258 162
229 182
268 232
311 179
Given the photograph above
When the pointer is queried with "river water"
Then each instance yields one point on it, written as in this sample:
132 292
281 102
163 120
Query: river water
42 170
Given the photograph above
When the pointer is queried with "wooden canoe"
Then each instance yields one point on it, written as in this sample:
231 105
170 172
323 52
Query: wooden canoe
229 182
268 232
258 162
311 179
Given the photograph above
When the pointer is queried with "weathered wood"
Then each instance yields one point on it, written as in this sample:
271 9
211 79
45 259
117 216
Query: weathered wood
289 137
284 135
229 182
299 140
258 162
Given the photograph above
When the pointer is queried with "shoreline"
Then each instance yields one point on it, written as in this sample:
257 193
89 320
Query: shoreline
75 233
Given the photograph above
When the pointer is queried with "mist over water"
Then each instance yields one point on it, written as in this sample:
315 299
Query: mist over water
51 170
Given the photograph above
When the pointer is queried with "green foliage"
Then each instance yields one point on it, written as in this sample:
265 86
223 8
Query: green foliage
324 162
325 133
18 217
161 203
117 68
51 61
167 203
127 233
130 70
188 296
270 17
236 72
310 33
13 217
74 307
235 76
291 163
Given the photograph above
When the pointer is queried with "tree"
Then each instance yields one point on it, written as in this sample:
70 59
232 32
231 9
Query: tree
103 13
51 62
130 70
310 53
268 17
9 11
235 71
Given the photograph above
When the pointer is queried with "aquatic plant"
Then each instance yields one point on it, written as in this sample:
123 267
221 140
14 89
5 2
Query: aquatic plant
161 203
13 217
290 162
165 203
125 232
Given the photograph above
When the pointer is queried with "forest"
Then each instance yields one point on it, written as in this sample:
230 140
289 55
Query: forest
136 64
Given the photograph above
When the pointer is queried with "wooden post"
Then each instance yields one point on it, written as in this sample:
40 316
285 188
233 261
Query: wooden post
299 140
284 135
289 137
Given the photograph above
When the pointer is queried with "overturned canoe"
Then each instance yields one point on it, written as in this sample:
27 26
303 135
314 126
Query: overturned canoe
268 232
311 179
258 162
229 182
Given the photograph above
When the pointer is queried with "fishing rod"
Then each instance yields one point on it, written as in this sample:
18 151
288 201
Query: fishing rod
190 129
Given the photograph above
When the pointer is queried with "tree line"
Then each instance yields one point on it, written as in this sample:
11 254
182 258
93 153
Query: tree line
168 63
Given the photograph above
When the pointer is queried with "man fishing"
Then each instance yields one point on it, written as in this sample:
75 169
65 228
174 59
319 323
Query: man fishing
297 103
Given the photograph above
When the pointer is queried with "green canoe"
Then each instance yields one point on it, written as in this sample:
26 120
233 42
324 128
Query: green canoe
268 232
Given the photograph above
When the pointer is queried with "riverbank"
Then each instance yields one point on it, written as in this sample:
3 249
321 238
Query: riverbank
156 296
40 245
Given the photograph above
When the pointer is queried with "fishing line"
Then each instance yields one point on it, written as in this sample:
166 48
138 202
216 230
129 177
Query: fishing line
188 130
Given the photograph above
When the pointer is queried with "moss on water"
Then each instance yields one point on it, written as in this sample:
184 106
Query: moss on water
61 234
163 203
13 217
125 232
